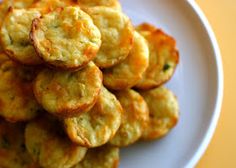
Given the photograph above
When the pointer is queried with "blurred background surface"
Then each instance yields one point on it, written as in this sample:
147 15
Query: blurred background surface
221 152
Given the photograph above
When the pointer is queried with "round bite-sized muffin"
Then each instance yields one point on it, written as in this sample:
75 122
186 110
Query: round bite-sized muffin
17 101
115 4
127 74
3 57
164 112
117 35
66 38
49 146
15 35
99 125
66 93
102 157
13 153
46 6
134 119
4 6
163 57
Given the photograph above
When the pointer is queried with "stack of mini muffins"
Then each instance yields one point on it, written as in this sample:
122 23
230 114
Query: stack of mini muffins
78 81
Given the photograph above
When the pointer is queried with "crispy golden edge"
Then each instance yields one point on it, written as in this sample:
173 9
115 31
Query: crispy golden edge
10 53
19 88
35 26
66 112
149 32
50 5
129 40
154 131
98 156
54 130
136 112
146 27
80 138
139 61
126 40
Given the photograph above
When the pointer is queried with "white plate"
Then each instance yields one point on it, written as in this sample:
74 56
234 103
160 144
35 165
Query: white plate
198 83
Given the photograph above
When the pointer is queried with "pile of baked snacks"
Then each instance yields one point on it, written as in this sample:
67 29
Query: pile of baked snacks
78 81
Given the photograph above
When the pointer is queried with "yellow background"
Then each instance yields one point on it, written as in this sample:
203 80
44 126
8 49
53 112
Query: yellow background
221 152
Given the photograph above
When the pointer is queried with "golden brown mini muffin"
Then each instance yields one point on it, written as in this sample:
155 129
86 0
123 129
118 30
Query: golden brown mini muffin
134 119
103 157
47 144
13 153
3 57
66 38
15 35
4 6
108 3
163 57
99 125
19 4
117 35
67 94
164 112
127 74
17 102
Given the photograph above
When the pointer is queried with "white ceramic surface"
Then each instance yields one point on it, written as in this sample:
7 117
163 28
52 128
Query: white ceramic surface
198 83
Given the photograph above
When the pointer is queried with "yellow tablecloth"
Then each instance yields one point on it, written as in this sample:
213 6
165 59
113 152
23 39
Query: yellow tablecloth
222 150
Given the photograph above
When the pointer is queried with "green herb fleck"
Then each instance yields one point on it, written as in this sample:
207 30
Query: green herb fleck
166 67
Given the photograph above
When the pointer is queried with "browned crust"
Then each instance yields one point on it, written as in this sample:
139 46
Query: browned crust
49 8
116 163
54 130
66 112
130 44
146 27
10 53
120 85
34 28
23 90
128 41
80 138
153 134
153 86
148 87
175 55
158 134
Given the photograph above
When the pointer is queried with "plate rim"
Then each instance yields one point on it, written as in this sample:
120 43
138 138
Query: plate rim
220 85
